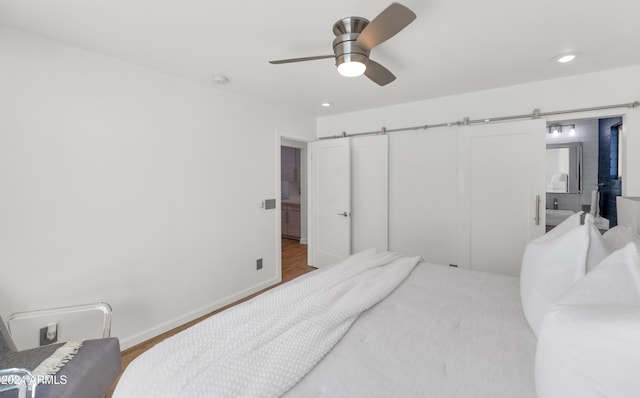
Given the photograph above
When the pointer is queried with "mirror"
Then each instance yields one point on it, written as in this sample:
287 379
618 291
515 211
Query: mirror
564 168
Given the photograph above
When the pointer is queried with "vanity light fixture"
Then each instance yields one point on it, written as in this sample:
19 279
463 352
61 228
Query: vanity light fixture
556 129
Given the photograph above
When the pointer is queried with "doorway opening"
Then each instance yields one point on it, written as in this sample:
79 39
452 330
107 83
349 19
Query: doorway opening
293 208
290 190
609 167
592 175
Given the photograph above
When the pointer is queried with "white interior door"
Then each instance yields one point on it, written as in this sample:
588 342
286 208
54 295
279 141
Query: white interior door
502 170
331 204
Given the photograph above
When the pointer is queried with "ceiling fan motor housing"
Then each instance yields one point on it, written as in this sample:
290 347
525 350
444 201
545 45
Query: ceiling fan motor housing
347 31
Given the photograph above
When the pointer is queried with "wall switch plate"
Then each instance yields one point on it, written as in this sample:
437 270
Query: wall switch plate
259 263
43 337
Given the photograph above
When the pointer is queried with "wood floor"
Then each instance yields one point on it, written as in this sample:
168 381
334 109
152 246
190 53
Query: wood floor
294 260
294 264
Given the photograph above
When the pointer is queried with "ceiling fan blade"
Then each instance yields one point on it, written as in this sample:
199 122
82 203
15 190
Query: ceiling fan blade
288 61
378 73
386 25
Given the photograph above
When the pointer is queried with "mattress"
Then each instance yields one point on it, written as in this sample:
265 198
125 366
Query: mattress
444 332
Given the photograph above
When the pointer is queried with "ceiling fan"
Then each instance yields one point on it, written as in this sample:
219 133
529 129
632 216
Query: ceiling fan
356 36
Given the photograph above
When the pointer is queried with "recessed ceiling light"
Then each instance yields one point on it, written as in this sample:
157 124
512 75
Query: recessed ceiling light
565 58
326 104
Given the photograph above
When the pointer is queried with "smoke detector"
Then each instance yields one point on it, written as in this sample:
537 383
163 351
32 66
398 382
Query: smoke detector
220 80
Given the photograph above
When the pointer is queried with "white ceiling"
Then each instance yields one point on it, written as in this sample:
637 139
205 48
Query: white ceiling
453 46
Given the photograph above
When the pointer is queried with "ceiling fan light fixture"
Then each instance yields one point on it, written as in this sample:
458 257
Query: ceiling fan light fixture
351 64
351 69
356 36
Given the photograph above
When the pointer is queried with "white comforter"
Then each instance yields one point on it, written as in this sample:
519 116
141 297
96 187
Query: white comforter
443 333
265 346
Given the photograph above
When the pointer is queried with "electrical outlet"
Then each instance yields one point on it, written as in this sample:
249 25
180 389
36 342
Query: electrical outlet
259 263
44 340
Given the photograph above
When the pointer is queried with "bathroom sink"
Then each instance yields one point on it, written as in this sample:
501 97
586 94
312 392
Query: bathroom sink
555 217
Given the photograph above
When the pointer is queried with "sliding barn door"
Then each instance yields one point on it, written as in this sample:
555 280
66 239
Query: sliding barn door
331 201
501 193
370 193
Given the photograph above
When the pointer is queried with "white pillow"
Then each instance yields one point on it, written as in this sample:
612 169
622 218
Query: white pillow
554 262
569 223
549 267
619 236
589 341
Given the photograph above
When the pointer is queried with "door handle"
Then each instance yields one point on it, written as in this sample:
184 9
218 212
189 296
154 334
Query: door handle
344 214
537 210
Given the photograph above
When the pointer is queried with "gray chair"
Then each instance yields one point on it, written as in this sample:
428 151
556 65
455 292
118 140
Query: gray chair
88 374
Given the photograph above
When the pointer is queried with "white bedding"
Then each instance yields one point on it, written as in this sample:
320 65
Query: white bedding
445 332
261 348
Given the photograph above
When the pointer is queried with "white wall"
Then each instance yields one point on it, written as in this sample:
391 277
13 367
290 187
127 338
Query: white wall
122 184
423 171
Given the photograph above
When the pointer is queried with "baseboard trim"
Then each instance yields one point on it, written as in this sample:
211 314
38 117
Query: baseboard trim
152 332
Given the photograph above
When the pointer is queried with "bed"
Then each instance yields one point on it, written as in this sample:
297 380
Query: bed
439 332
444 332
